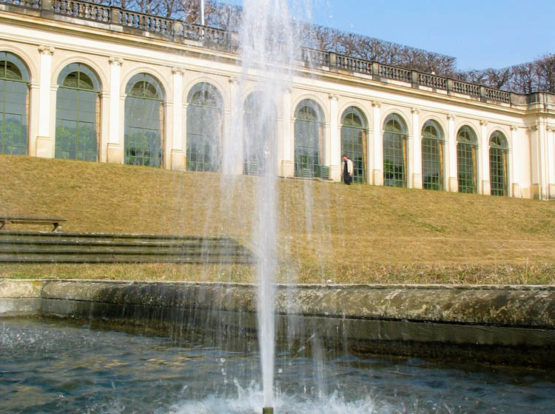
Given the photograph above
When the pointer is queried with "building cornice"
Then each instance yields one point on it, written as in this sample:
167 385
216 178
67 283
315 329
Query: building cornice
105 33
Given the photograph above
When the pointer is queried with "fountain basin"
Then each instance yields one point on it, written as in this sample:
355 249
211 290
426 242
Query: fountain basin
497 324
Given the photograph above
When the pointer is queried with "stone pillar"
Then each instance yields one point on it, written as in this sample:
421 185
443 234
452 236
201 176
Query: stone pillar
551 161
535 162
232 143
451 167
287 137
377 172
415 160
45 141
483 170
177 148
514 173
333 160
34 108
539 160
46 8
104 126
369 167
114 151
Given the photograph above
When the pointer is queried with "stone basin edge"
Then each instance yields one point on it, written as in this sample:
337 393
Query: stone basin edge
524 306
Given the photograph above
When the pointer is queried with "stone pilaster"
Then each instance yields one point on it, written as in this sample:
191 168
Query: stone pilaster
333 155
45 140
415 152
114 150
287 147
377 153
514 173
178 142
551 161
451 167
232 142
483 171
540 158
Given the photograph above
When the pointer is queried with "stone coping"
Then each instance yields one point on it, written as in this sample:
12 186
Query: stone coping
492 324
511 305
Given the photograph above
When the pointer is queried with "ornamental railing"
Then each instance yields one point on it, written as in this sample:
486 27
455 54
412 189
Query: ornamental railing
354 64
145 22
466 88
81 10
210 37
433 81
29 4
314 57
497 95
395 73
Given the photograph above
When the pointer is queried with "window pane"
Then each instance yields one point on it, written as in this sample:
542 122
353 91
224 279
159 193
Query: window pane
498 177
432 157
204 118
258 133
352 144
76 135
143 138
13 117
465 167
431 164
307 154
394 160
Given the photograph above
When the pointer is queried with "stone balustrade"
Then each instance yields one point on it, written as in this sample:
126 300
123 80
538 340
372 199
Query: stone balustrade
82 10
219 39
466 88
395 73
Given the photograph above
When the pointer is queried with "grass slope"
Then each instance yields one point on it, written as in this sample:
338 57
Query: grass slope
328 231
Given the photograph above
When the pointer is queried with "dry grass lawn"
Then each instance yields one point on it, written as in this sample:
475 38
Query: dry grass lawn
328 231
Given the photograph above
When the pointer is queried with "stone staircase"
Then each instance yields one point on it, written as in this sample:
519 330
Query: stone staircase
43 247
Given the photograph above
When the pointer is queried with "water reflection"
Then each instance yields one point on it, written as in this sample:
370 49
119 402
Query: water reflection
51 366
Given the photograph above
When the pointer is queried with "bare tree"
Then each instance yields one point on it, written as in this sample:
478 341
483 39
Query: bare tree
545 71
538 75
525 78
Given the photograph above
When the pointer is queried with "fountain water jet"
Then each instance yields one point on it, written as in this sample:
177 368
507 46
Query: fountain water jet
268 50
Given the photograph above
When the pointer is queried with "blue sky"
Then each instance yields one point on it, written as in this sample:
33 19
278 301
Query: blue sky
479 33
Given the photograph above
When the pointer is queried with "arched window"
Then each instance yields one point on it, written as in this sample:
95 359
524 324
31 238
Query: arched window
204 126
14 80
77 111
353 141
144 114
309 131
258 133
498 150
395 152
432 156
466 160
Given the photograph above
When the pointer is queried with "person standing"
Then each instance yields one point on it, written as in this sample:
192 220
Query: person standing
348 170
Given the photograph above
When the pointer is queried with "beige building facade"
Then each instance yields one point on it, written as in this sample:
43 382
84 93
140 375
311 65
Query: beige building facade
96 83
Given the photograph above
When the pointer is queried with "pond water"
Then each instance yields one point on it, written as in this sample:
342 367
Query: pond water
50 366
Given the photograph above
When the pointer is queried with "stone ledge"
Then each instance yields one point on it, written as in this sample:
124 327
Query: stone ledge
515 306
501 324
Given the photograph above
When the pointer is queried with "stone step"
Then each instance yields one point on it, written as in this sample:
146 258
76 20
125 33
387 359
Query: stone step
112 238
121 251
42 247
135 243
103 246
108 259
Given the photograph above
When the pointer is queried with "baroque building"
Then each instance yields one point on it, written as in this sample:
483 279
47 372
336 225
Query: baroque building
95 83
